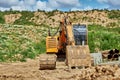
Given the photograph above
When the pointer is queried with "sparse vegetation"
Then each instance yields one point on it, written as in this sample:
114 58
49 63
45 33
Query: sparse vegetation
20 42
24 19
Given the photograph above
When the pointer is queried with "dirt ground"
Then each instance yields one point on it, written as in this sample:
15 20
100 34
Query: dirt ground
30 71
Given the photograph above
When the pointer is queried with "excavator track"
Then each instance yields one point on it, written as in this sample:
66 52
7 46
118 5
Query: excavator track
47 61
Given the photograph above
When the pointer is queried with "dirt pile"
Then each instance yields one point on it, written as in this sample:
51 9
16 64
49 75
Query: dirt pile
93 73
89 17
11 18
30 71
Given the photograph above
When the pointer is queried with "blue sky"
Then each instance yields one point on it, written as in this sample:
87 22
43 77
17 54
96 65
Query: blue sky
64 5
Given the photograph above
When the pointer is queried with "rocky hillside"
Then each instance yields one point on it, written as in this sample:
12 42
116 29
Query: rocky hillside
101 17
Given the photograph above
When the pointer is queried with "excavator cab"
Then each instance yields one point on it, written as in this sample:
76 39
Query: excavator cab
80 34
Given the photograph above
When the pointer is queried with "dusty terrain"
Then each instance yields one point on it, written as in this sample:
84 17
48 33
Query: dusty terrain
30 71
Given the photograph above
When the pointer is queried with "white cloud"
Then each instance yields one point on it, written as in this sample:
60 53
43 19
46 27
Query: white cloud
112 3
3 9
23 5
102 1
64 3
8 3
88 8
30 2
80 9
53 4
42 6
38 4
69 2
17 8
75 9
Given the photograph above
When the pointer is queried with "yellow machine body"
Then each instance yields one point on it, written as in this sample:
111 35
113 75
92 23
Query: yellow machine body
51 44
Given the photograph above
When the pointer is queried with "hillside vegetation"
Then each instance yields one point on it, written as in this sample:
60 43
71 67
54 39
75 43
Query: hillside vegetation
101 17
22 34
20 42
103 38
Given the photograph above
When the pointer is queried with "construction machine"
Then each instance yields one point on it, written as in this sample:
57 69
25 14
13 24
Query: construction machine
72 42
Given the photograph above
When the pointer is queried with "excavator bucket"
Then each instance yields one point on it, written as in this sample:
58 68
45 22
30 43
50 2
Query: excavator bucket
78 55
47 61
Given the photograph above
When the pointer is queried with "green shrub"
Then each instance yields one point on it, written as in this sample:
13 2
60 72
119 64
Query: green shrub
114 14
103 38
24 19
2 20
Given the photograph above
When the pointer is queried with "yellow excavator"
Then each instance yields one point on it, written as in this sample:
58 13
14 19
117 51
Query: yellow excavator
71 44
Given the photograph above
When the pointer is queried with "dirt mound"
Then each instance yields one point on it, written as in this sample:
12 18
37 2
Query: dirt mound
11 18
30 71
